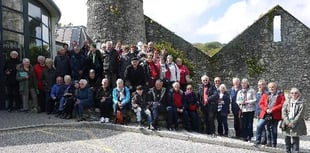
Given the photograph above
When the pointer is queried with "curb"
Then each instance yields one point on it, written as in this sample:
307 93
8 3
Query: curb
181 135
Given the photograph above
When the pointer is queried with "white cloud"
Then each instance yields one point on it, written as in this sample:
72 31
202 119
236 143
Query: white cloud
242 14
74 11
180 16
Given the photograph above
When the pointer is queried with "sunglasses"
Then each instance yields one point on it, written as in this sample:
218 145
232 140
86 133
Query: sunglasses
294 93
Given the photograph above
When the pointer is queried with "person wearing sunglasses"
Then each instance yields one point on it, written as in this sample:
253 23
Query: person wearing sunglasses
293 123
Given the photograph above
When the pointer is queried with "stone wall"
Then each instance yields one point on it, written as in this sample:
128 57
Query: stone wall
116 20
254 55
156 32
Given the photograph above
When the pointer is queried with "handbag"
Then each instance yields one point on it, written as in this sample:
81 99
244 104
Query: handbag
268 117
119 117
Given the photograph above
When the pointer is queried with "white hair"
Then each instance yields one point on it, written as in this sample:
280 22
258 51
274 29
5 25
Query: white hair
67 77
204 77
26 60
13 52
84 81
118 81
40 57
175 84
236 80
223 86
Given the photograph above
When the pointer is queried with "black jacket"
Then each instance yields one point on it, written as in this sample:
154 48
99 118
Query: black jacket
10 65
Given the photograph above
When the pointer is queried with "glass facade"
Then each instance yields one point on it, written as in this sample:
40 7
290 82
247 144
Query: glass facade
25 27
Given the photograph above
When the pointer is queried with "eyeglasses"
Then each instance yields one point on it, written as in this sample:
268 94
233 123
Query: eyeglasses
205 80
294 93
189 88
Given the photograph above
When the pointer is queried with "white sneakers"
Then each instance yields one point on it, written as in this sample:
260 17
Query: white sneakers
107 120
104 120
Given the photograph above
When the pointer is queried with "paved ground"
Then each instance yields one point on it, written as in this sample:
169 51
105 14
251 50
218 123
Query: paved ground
30 132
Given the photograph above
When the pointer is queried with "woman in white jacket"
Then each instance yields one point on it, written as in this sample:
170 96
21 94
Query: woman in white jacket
246 98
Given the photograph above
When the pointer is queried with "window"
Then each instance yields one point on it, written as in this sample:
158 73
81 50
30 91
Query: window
12 20
34 11
35 29
45 19
13 4
45 33
13 41
277 28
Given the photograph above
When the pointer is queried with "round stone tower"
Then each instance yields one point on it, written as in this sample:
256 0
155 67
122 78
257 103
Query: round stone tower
116 20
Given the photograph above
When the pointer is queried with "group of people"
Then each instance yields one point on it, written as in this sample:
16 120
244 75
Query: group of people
149 83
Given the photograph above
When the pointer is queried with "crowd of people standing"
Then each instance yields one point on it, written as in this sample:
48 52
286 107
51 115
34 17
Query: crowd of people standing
150 83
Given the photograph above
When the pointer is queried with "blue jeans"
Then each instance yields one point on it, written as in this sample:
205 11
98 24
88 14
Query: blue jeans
272 132
259 129
139 114
247 124
80 108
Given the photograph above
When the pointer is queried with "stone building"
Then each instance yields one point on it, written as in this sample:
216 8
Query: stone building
124 20
262 51
116 20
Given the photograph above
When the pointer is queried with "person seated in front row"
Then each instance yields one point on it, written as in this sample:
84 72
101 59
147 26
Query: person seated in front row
104 100
84 98
55 95
157 99
139 105
177 107
121 98
66 90
192 107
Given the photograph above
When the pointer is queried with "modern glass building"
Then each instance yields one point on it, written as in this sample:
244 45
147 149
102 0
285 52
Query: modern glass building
27 26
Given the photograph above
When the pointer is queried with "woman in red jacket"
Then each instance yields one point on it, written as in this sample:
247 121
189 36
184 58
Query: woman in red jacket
271 106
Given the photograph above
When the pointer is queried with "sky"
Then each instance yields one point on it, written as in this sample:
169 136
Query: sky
198 20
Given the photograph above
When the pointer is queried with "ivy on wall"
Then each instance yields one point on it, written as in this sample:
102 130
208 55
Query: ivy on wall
254 68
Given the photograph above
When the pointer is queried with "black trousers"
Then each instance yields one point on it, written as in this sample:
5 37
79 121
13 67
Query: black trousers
105 109
237 124
13 96
289 145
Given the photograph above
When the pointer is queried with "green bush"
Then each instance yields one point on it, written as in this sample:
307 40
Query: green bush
176 54
35 51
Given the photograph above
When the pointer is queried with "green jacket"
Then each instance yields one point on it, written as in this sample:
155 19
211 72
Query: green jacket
298 123
26 84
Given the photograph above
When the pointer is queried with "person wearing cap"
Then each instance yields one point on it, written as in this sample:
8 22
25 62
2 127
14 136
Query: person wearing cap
139 105
11 82
135 75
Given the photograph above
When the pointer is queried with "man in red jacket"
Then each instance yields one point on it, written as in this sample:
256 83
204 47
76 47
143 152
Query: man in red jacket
270 105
